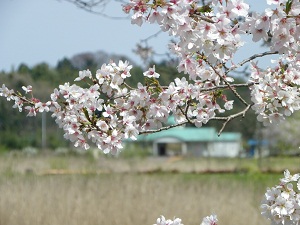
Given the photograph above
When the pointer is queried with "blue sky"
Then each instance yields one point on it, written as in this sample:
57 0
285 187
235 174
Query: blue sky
34 31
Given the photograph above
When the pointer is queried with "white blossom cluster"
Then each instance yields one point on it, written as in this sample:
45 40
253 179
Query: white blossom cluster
210 35
281 204
275 93
109 111
105 110
162 221
280 25
213 37
208 220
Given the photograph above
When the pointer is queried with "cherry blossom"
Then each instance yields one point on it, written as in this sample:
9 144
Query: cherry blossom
163 221
5 92
27 89
237 8
228 105
31 111
151 73
210 220
281 203
83 74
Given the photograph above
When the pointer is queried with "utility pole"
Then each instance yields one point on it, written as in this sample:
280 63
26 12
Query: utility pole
44 130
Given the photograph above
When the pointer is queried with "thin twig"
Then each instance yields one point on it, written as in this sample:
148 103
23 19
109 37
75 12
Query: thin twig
151 36
24 99
128 86
185 113
89 5
206 19
249 59
226 86
220 86
163 128
231 117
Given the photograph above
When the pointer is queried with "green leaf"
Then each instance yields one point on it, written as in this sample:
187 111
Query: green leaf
288 6
204 9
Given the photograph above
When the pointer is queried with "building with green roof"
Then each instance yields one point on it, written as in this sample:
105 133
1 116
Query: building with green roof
194 142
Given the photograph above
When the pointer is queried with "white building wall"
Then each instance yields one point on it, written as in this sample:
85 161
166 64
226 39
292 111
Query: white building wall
214 149
203 149
225 149
169 140
197 149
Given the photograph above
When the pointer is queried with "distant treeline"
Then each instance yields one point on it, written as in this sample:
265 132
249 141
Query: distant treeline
18 131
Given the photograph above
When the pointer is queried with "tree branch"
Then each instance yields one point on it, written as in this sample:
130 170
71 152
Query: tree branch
226 119
228 84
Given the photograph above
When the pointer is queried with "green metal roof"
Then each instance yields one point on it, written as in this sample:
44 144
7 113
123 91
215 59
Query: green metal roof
228 136
171 120
191 134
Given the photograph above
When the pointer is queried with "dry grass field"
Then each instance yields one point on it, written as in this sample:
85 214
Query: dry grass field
55 190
